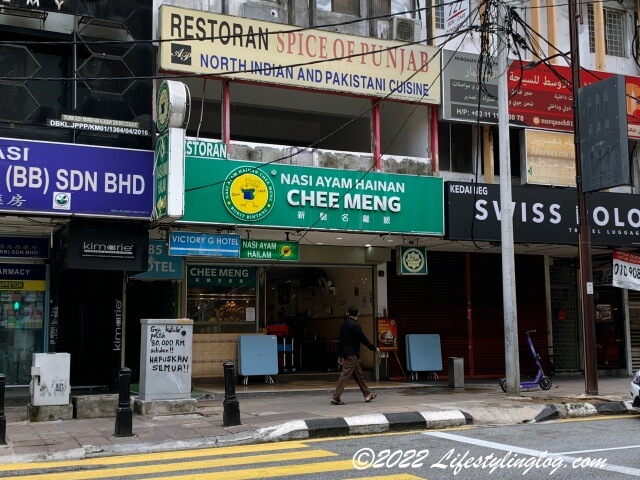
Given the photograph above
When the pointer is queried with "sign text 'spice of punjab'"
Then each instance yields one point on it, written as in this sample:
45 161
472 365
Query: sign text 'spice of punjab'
208 43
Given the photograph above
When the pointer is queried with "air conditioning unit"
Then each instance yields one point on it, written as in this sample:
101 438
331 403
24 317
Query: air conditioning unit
404 29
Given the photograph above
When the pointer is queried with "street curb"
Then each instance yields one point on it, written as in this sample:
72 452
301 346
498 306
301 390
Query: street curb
581 409
364 424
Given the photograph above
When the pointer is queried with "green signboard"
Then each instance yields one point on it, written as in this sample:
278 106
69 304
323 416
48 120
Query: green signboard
221 276
161 175
230 192
411 260
269 250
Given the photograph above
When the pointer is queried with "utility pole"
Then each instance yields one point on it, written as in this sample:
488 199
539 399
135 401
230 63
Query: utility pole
584 238
512 361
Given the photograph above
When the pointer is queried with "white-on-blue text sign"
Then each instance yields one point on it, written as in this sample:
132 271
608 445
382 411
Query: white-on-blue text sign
204 244
161 265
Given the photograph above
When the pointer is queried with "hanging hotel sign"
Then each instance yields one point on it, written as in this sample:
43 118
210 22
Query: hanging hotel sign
626 270
275 195
269 250
208 245
541 97
411 260
207 43
161 265
542 215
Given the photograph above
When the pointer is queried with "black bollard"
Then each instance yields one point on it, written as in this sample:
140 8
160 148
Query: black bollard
124 414
3 418
231 413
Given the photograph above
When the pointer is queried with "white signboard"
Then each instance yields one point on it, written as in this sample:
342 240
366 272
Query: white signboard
626 270
457 16
166 359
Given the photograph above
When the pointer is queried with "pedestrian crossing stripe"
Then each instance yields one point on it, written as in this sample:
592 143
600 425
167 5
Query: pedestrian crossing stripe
179 466
268 472
155 457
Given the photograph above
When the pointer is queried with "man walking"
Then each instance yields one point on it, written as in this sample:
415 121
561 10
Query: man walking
351 336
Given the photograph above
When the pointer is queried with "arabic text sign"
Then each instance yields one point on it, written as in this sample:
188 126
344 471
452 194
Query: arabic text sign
541 96
626 270
208 43
68 179
549 158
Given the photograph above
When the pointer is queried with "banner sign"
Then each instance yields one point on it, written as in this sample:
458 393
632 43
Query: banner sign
387 335
210 245
275 195
541 99
269 250
69 179
161 265
208 43
221 276
543 215
24 247
626 270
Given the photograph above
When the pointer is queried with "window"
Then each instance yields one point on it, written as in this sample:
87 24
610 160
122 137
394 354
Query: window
349 7
613 32
439 9
455 150
400 8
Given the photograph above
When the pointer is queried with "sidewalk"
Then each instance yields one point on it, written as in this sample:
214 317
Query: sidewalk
303 410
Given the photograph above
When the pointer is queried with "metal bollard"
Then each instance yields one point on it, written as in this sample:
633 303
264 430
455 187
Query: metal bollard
124 414
231 412
3 418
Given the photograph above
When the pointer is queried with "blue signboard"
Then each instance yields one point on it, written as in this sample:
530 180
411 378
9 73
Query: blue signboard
24 247
68 179
161 265
209 245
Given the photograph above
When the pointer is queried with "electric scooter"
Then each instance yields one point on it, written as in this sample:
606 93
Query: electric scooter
541 379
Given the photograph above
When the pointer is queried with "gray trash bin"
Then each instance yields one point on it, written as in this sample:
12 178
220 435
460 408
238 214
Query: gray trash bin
456 372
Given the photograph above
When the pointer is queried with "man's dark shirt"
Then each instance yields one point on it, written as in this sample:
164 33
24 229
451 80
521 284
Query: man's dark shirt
351 336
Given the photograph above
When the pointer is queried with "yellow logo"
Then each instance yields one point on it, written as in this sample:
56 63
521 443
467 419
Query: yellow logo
248 193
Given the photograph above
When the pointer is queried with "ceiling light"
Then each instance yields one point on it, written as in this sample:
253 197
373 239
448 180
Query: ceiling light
367 245
390 240
338 238
319 243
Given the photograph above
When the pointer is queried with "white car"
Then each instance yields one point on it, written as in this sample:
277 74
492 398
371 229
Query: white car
635 389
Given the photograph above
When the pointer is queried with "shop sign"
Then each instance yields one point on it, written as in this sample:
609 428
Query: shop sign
168 176
16 276
161 265
107 246
70 179
275 195
269 250
626 270
24 247
207 43
221 276
540 98
411 260
549 158
543 215
209 245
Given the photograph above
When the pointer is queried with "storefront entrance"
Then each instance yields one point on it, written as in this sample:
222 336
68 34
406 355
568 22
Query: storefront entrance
302 306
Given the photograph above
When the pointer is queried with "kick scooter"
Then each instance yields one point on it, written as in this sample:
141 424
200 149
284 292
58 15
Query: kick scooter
541 379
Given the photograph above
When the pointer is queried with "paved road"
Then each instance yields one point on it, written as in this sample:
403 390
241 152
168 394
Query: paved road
598 448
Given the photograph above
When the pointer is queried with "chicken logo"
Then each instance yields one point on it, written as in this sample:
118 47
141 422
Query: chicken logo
248 193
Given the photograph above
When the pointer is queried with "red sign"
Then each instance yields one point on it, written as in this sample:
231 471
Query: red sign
544 99
387 335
